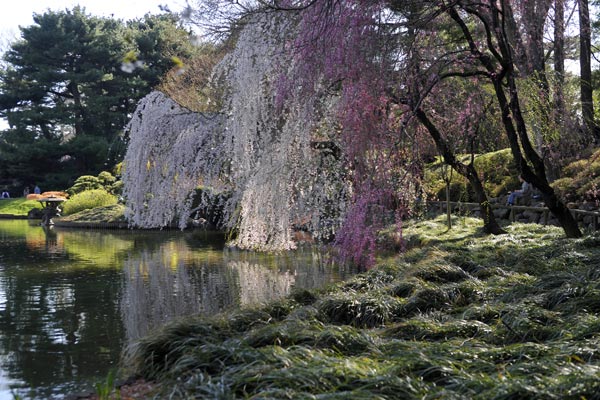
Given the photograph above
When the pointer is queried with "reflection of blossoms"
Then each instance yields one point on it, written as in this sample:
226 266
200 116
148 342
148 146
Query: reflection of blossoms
174 281
154 294
259 284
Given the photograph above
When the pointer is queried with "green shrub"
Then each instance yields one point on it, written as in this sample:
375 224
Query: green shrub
83 183
498 172
87 200
105 180
435 186
581 180
565 187
117 188
576 167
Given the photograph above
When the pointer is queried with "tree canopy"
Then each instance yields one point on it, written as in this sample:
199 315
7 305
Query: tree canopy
69 85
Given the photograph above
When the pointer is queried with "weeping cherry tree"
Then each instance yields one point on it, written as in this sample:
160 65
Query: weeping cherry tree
278 173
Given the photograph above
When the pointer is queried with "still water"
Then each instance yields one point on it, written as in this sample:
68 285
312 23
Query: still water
70 300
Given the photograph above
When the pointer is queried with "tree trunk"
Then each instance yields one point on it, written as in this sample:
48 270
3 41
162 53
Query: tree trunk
559 60
558 50
490 225
533 16
448 210
585 64
528 158
78 108
561 212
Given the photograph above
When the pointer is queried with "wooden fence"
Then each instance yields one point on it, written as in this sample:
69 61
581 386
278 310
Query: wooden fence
513 211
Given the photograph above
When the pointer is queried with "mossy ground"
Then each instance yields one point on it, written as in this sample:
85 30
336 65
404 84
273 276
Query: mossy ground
460 315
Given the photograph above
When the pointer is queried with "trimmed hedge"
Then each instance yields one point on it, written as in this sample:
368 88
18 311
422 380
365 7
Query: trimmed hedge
87 200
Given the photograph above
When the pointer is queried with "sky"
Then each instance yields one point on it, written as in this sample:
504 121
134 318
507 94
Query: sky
17 13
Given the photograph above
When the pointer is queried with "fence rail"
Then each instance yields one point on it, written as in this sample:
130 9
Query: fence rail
544 211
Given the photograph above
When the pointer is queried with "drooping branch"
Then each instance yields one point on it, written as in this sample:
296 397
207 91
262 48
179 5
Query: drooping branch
276 178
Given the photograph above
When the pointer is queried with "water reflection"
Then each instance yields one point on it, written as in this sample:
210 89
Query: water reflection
154 293
172 281
70 300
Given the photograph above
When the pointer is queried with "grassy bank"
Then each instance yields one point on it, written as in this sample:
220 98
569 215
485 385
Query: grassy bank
460 315
18 207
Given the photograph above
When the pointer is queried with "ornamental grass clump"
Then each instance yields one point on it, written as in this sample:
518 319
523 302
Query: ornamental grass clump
360 309
304 297
424 300
286 333
442 273
371 280
405 288
345 340
155 354
245 319
425 329
524 322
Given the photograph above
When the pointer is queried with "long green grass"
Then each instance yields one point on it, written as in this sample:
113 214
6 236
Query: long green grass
460 315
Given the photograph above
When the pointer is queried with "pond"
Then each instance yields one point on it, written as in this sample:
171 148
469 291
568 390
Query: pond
71 300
